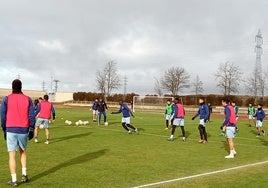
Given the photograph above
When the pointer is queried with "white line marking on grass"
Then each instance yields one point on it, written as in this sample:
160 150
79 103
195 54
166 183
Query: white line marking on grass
200 175
165 136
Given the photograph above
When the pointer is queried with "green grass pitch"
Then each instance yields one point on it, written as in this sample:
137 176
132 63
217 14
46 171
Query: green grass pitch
106 156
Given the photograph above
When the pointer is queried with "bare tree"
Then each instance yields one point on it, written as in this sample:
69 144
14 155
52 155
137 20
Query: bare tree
256 84
175 79
198 86
229 77
101 79
108 79
158 88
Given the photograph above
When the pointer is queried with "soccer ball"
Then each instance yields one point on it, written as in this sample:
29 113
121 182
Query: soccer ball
41 126
106 123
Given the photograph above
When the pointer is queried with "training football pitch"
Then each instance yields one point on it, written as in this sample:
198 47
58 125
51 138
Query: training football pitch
106 156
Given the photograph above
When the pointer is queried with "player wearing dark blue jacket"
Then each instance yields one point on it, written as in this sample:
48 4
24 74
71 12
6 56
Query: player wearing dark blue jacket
126 113
94 109
203 113
259 115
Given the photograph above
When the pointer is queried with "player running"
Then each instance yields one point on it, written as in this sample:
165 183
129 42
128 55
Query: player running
260 115
126 113
44 111
179 114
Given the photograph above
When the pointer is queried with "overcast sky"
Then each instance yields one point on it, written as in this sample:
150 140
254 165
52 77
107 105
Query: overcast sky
69 40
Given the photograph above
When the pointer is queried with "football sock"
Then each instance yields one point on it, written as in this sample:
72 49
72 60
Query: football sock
200 128
183 131
205 133
125 127
24 171
131 126
173 129
13 177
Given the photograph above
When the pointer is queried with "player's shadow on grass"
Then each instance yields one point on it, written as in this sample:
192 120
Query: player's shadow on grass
264 142
77 160
53 140
254 132
187 133
141 129
225 145
208 135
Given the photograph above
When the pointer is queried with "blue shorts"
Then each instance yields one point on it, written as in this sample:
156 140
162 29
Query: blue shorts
230 132
16 141
43 121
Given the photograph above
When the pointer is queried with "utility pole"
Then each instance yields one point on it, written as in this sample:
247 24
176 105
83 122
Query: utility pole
56 85
125 86
43 85
259 79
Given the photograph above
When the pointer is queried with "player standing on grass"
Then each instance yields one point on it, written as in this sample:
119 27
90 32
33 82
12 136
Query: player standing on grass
102 107
17 120
260 115
210 112
126 113
179 114
168 113
94 109
203 113
251 113
44 112
229 126
236 109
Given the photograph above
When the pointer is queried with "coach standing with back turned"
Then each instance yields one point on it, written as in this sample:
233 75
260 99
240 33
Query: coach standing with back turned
17 121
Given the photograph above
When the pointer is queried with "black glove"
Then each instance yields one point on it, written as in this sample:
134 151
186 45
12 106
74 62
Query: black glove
261 119
221 127
30 133
54 117
193 118
5 135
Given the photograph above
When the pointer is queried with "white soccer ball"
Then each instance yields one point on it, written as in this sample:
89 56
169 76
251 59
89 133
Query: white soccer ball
77 123
106 123
85 122
69 123
41 126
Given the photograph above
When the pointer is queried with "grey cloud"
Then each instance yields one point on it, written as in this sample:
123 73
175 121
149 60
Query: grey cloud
70 40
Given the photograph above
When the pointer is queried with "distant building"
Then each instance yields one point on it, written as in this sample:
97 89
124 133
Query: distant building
34 94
